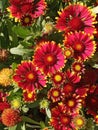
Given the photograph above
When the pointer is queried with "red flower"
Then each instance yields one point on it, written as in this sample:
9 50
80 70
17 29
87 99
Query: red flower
19 8
54 94
29 96
83 45
29 77
58 78
76 17
49 57
4 105
61 120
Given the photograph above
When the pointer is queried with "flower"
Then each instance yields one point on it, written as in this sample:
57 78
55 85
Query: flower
58 78
10 117
5 77
76 17
48 28
79 121
19 8
73 103
78 67
16 103
29 77
4 105
68 52
29 96
54 94
61 120
82 44
26 20
49 57
44 104
68 89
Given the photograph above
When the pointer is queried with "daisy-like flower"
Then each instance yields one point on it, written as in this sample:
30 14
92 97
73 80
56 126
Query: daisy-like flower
79 121
19 8
78 67
10 117
68 89
26 20
68 52
5 77
28 77
58 78
54 94
82 44
49 57
60 119
76 17
73 103
29 96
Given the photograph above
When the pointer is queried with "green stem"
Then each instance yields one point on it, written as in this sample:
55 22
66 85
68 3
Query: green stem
29 120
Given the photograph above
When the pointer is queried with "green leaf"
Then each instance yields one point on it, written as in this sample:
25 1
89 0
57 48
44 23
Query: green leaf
20 50
23 127
21 31
14 65
33 105
29 120
12 128
48 112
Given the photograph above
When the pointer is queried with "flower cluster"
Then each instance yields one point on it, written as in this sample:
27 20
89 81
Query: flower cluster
51 79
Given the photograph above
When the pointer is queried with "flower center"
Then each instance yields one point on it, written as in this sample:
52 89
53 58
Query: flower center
68 88
58 78
79 122
29 95
68 53
55 93
71 103
79 47
31 77
50 59
76 23
77 67
26 19
65 120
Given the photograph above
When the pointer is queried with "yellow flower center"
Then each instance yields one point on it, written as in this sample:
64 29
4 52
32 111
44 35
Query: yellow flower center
68 53
58 78
26 20
79 122
29 95
31 76
79 47
49 58
71 103
65 120
55 93
77 67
